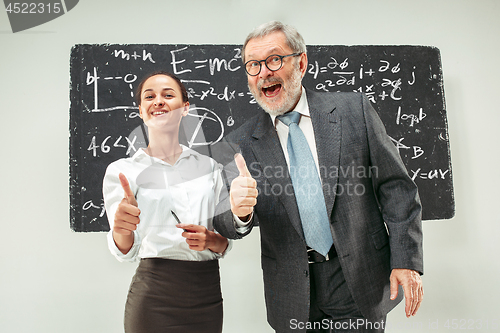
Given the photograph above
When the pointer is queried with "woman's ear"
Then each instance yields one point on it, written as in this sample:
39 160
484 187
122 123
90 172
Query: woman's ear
140 111
186 109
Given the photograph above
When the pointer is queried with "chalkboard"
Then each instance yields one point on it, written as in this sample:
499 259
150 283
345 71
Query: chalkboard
404 84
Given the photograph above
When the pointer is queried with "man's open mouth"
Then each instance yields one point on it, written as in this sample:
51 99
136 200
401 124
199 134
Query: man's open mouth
272 90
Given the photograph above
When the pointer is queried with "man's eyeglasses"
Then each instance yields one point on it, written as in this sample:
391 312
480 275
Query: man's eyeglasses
274 62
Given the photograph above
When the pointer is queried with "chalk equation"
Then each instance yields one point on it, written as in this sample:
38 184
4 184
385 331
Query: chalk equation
343 75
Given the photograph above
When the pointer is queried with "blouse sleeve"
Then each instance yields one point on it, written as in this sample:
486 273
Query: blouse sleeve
113 194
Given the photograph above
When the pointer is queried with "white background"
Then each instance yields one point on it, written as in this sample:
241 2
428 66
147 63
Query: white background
56 280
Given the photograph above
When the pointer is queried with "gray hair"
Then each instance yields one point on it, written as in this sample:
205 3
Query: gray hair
293 39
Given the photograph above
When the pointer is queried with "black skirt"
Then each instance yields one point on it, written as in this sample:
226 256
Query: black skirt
171 296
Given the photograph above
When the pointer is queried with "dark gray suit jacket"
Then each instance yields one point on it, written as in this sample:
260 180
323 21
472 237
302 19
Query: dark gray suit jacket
365 184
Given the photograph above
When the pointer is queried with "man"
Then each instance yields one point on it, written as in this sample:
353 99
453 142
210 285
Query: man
347 277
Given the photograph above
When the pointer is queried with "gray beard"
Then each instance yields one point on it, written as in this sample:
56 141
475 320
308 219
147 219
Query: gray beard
292 96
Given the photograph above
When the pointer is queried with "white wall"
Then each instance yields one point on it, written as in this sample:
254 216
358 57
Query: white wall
55 280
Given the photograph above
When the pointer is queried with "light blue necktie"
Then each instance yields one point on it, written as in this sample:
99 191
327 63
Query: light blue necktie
307 187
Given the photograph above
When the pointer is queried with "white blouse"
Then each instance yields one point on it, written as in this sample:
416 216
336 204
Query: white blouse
190 188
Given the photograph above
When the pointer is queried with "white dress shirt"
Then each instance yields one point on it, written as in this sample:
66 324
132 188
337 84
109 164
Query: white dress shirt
190 188
305 124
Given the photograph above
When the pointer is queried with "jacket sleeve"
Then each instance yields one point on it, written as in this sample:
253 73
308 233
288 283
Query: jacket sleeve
397 195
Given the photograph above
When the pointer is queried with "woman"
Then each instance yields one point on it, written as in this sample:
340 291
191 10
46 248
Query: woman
176 287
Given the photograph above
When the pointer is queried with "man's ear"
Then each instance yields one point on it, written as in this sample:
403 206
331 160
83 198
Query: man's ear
303 63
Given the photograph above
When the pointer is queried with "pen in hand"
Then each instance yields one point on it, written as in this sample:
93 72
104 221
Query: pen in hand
177 219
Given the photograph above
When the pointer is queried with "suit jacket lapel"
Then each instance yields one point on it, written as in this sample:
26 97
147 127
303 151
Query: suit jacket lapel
327 131
268 152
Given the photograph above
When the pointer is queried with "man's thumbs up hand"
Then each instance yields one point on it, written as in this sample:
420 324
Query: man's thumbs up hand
243 191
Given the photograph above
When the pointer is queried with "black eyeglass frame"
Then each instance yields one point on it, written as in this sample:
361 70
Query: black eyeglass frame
265 62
